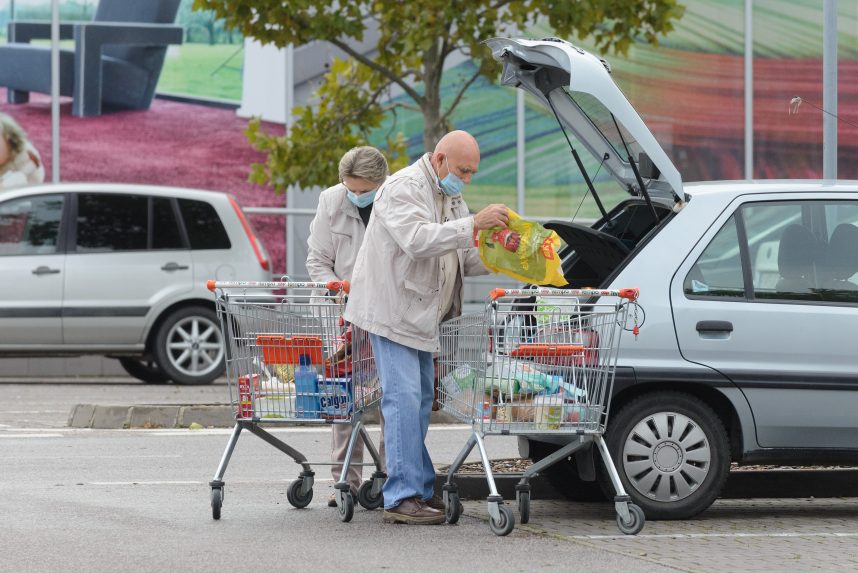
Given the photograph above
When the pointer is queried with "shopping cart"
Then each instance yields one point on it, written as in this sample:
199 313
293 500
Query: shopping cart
291 359
536 362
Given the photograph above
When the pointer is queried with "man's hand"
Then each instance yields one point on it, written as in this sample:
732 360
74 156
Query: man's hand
492 216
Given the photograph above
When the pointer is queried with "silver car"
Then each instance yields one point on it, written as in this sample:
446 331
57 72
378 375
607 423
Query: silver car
121 270
749 300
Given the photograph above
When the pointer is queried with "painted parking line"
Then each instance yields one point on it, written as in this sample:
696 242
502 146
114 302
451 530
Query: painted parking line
29 436
713 535
205 483
295 430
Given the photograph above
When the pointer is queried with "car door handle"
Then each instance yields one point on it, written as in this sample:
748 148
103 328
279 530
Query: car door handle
714 326
43 270
174 267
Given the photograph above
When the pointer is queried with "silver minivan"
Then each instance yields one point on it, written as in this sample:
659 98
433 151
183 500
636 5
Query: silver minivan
121 270
749 297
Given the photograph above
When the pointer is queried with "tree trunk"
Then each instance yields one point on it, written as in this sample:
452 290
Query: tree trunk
433 127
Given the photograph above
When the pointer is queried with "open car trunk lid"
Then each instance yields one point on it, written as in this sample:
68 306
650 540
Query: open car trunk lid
577 87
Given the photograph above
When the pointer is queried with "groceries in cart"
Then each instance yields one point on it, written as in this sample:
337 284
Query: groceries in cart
291 359
524 250
517 391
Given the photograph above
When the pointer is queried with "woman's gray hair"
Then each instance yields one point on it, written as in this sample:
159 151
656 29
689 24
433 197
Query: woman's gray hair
364 163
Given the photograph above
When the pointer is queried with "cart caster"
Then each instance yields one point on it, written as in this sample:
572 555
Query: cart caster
635 523
453 508
295 497
217 501
505 522
524 506
366 499
346 506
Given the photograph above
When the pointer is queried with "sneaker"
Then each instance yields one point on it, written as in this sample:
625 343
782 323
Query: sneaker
414 512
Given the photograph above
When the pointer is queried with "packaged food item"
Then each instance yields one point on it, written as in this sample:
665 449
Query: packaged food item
525 250
547 412
510 376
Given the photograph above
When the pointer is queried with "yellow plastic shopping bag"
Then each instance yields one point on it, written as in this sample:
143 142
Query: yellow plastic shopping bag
525 250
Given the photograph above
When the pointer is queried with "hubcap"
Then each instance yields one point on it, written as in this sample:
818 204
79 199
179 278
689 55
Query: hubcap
666 456
195 346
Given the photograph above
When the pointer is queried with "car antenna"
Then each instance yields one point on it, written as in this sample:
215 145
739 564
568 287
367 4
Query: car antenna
637 173
795 102
581 167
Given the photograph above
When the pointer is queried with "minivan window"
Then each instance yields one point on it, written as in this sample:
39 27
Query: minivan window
30 225
108 223
204 227
718 271
165 226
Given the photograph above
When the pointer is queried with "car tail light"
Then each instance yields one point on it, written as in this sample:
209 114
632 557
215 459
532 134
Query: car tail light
258 249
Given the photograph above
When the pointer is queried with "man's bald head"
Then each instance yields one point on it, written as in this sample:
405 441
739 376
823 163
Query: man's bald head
459 152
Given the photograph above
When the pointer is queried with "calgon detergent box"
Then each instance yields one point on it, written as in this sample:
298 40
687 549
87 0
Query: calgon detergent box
335 398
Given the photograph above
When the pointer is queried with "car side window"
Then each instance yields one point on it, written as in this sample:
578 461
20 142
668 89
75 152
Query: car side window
30 225
785 253
165 226
839 272
204 227
718 271
107 223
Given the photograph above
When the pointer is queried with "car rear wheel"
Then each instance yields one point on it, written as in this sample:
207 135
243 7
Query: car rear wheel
146 370
671 452
189 346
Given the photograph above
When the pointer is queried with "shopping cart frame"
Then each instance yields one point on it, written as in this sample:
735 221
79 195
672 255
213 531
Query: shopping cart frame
300 492
630 517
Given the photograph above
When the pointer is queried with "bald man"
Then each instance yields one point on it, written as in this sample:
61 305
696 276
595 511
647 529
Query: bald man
407 279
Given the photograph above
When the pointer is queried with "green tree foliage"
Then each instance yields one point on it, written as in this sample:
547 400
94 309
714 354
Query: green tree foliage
416 39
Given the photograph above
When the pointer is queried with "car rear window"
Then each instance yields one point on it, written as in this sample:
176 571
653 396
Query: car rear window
165 227
205 229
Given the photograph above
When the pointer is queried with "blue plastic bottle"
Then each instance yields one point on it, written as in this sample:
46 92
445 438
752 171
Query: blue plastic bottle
306 389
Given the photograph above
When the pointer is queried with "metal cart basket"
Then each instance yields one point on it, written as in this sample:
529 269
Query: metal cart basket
291 359
536 362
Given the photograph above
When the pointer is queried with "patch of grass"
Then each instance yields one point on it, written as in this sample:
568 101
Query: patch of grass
203 70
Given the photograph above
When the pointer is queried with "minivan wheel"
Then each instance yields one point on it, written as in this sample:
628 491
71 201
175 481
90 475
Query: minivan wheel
189 346
671 452
146 370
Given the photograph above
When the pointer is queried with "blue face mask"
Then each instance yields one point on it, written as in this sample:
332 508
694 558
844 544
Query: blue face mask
451 185
362 200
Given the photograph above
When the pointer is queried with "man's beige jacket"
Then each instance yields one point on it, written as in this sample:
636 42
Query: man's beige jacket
336 234
396 282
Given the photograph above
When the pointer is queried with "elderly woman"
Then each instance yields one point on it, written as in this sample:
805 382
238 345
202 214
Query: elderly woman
336 234
20 163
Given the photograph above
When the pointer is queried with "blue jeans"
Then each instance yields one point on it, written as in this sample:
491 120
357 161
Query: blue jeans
407 382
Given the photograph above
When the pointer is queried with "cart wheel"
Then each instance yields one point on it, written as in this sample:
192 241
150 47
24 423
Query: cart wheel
366 499
347 508
505 524
524 506
293 494
635 523
453 509
217 502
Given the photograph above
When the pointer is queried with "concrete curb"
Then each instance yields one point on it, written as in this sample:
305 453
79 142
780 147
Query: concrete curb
117 417
742 484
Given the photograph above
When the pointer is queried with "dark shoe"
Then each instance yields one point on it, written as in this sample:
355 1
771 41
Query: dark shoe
435 502
332 501
415 512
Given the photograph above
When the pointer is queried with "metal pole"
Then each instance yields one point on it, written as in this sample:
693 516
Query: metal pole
519 150
289 79
55 91
11 9
829 90
749 89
